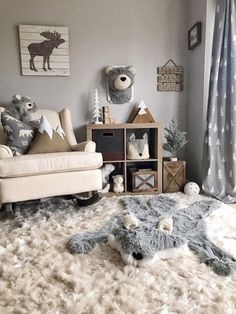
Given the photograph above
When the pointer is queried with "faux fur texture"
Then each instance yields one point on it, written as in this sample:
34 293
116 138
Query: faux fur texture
38 274
147 239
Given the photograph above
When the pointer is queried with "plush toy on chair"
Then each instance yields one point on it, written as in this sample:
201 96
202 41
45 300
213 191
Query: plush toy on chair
21 108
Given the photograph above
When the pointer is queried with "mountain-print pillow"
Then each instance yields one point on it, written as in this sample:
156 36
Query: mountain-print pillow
49 140
19 134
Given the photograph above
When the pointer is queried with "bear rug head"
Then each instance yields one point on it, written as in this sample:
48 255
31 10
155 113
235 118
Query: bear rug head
120 82
157 228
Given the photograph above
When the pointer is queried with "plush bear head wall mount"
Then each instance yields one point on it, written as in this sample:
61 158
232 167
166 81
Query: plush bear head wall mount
120 82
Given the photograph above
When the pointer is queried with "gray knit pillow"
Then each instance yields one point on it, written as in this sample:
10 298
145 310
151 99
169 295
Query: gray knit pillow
19 134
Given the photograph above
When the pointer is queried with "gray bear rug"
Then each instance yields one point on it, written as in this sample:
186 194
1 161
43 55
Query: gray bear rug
156 228
38 274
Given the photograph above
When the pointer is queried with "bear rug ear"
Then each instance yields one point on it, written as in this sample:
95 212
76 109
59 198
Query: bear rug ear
165 225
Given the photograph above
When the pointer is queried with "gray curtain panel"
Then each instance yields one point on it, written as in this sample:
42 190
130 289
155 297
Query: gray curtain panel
219 158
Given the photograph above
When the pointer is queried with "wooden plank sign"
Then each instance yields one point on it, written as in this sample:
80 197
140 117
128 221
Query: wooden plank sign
44 50
170 77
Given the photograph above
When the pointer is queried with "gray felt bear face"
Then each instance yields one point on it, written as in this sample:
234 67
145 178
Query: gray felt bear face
120 82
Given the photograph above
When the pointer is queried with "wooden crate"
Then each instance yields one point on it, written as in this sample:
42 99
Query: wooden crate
174 176
144 180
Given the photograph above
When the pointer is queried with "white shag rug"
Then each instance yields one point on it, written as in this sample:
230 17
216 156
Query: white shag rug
39 275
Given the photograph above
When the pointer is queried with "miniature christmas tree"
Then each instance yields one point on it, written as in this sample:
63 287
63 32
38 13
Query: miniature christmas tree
97 112
175 139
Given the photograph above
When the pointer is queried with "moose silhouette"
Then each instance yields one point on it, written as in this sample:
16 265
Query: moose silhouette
44 48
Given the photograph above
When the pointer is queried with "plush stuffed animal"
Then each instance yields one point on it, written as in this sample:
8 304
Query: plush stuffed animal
21 108
118 183
120 82
149 230
138 148
107 169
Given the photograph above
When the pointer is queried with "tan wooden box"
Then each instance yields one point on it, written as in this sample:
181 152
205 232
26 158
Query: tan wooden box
144 180
174 176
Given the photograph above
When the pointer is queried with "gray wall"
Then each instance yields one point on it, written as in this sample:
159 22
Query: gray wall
199 61
145 33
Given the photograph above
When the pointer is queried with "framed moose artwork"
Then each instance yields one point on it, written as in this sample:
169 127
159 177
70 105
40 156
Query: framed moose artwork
44 50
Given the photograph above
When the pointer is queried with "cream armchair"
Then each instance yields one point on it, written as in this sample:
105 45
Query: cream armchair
36 176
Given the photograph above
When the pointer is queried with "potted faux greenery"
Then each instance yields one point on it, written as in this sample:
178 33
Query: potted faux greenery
175 139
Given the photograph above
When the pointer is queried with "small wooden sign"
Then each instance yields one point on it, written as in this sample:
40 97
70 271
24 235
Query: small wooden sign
170 77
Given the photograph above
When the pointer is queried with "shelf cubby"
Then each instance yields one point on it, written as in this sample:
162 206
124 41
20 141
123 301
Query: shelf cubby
111 140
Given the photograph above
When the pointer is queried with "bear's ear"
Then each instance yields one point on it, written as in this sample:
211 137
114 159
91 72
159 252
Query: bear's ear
132 69
108 69
145 136
16 98
132 137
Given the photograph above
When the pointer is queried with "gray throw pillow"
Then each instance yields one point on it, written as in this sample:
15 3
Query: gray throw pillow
19 134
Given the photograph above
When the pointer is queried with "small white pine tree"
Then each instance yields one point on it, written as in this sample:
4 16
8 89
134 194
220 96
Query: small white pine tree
222 113
209 141
219 175
215 128
97 113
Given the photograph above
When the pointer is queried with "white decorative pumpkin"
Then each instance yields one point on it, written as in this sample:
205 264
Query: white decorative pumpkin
191 188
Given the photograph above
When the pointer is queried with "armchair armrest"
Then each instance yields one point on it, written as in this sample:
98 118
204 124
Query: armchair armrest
5 152
87 146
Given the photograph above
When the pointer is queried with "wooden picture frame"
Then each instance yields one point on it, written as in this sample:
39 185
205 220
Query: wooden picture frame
44 50
194 36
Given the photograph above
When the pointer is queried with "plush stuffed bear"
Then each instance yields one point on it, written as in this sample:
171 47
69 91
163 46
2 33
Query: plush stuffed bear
118 183
120 82
21 108
107 169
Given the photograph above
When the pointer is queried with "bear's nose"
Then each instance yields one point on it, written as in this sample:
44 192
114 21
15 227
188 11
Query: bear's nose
140 154
137 256
123 78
